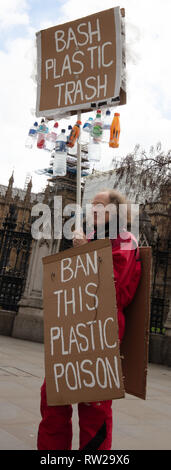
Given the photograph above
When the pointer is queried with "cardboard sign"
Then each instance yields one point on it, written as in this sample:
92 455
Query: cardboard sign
79 64
82 358
134 347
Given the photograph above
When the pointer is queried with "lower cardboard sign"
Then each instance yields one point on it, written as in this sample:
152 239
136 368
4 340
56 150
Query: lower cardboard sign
82 355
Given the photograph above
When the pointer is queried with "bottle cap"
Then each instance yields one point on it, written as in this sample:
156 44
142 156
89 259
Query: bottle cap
56 124
69 127
98 111
90 119
108 112
79 122
117 114
36 123
63 130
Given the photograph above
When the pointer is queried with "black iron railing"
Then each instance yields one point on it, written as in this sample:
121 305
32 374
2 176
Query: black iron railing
161 282
15 249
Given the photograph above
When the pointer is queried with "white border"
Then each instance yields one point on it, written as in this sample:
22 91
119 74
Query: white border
39 69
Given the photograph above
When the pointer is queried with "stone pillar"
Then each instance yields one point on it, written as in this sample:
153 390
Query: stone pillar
28 323
167 324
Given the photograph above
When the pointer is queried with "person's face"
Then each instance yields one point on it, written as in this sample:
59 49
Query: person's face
98 203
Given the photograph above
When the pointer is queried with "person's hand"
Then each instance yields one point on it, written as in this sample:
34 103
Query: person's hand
79 238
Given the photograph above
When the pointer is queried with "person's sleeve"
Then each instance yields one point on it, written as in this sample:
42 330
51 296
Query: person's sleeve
127 273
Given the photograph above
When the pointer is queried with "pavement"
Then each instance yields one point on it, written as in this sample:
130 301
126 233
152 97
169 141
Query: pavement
138 424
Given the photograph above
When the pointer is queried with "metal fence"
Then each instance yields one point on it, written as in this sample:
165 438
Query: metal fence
14 257
161 282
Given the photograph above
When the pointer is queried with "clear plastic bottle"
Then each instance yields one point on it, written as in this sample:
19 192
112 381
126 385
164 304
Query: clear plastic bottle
42 134
44 171
106 126
52 158
88 125
94 150
32 136
59 165
85 132
51 138
97 128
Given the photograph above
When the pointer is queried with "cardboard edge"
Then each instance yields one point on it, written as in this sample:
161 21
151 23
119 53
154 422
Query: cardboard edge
73 402
95 245
147 319
123 12
138 395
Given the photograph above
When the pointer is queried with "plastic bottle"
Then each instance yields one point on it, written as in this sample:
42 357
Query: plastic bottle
73 150
88 125
115 131
44 171
94 150
51 138
74 134
97 127
42 134
85 132
69 129
32 134
52 158
106 126
59 165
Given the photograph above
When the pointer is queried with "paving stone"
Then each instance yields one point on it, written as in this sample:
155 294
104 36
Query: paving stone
137 424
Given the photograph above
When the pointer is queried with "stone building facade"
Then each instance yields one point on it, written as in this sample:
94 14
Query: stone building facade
15 247
28 324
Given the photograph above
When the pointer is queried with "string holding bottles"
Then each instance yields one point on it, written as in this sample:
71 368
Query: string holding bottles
63 145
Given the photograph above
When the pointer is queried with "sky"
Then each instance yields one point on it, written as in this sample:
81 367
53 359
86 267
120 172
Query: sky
146 118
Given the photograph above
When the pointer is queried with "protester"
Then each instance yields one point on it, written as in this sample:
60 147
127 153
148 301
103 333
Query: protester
95 418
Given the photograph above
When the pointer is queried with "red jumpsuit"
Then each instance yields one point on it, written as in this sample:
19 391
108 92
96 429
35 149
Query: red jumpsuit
95 418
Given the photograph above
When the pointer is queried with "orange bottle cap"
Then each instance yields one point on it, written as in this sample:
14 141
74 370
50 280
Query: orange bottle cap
79 122
117 114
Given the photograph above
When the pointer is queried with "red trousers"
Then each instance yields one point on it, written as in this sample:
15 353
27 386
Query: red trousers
55 429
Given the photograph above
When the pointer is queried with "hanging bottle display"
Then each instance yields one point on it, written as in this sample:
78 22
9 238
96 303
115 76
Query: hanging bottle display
63 145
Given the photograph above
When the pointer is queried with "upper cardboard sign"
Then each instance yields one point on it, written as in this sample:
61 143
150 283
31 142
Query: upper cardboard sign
82 358
79 64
